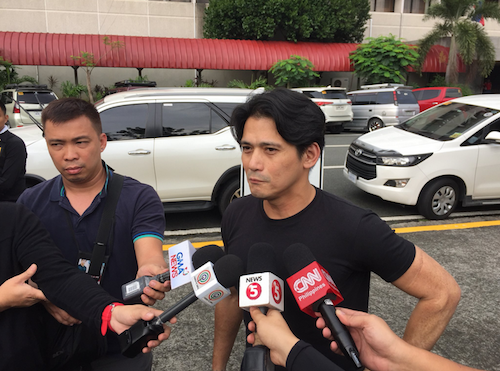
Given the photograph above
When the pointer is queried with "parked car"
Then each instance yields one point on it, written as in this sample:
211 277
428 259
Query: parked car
430 97
22 100
445 156
175 139
376 106
334 104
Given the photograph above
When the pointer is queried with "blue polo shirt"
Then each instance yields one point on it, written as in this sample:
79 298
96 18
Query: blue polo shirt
139 214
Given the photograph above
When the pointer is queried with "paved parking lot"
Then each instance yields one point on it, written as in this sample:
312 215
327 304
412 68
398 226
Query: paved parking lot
472 338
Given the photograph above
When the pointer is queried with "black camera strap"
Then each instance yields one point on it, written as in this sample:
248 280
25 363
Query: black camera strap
105 227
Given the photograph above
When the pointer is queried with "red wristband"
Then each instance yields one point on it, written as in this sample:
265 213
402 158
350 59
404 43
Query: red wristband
106 318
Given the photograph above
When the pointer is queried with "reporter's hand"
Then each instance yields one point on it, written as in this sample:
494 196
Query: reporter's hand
122 317
379 348
61 315
15 292
156 290
273 332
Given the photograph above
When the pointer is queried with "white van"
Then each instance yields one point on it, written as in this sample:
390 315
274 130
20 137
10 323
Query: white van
446 155
376 106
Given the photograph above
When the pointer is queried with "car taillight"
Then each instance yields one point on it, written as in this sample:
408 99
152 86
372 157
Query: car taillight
16 108
395 98
324 103
349 102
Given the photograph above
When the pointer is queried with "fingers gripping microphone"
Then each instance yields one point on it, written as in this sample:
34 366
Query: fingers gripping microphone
133 340
262 288
315 291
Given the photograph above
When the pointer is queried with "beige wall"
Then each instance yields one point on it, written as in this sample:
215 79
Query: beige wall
104 17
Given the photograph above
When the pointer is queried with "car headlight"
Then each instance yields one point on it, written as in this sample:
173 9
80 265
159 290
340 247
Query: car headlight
402 160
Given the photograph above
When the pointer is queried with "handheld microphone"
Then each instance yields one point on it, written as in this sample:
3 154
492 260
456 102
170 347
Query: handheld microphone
262 288
315 291
222 275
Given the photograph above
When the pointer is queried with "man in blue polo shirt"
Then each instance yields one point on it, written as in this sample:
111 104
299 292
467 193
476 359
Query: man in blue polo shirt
70 206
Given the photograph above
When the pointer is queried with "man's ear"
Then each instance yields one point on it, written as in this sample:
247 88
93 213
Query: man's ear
311 155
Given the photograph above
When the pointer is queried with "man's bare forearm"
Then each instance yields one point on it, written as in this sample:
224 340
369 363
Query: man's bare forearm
228 318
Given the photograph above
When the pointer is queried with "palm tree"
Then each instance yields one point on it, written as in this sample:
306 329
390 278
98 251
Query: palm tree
468 38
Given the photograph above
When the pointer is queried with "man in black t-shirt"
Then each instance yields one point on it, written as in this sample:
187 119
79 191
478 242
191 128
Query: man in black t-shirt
12 161
281 134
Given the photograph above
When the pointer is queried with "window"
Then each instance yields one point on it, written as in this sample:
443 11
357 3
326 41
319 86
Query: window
35 97
179 119
453 93
6 97
426 94
385 97
382 6
125 122
363 99
227 108
405 97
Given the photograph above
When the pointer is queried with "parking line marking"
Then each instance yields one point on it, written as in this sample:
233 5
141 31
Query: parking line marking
333 167
424 228
444 227
336 145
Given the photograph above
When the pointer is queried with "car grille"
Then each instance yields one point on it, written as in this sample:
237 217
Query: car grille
362 162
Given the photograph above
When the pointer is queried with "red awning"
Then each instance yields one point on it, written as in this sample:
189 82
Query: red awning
46 49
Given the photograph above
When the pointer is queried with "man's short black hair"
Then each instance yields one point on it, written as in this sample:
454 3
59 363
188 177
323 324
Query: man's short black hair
298 119
62 110
3 108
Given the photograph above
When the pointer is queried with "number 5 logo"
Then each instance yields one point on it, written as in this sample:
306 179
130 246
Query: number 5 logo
253 291
276 289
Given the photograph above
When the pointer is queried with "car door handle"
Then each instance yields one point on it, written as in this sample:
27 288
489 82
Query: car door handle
139 152
225 147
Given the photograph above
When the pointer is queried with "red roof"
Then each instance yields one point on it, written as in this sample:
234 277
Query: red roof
46 49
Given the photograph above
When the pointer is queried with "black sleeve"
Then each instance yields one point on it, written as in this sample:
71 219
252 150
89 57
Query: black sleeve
14 165
62 283
303 357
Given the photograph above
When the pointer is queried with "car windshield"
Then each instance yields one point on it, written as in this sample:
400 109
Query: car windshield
447 121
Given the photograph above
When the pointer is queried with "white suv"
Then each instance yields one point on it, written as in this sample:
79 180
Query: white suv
175 139
23 101
334 103
444 156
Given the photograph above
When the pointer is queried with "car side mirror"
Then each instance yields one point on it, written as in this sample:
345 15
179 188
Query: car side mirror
493 136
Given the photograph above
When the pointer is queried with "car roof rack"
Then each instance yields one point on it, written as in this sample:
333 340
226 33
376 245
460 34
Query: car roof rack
25 86
125 83
386 85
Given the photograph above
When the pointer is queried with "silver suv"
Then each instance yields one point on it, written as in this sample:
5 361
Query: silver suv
376 106
175 139
23 101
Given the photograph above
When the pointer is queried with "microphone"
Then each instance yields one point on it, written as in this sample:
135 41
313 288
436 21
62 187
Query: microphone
315 291
227 270
179 257
262 288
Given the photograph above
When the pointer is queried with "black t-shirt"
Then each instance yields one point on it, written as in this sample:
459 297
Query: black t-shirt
348 241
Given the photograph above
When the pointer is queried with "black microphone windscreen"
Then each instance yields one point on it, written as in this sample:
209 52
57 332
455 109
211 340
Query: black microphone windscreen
228 270
297 257
262 258
205 254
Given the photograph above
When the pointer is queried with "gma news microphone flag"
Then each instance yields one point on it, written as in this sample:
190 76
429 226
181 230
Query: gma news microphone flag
311 283
261 290
181 265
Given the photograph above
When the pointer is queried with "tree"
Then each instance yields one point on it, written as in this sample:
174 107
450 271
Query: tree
383 59
89 62
9 75
293 20
295 71
467 36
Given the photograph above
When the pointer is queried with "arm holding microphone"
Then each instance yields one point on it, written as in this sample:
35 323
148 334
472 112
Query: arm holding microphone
382 350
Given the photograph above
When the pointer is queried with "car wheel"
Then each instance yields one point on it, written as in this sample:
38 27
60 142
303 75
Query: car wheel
230 192
438 199
375 124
